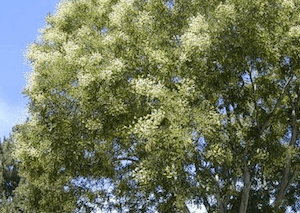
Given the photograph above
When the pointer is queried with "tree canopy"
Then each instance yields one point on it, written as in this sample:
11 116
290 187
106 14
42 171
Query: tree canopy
143 105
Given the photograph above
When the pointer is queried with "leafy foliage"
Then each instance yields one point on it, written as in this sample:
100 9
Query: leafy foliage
163 103
9 177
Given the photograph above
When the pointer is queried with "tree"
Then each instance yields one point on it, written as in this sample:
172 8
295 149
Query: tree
9 177
139 105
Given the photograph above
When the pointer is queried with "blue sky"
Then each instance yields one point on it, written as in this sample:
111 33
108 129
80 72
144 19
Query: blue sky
19 21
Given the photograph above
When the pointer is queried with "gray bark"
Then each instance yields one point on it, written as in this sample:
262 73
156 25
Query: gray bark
186 209
288 176
245 194
222 204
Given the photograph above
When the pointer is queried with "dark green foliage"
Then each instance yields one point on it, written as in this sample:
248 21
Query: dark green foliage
9 177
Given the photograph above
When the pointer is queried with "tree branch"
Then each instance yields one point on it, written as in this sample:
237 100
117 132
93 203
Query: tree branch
264 126
186 209
206 204
287 176
254 97
287 179
222 206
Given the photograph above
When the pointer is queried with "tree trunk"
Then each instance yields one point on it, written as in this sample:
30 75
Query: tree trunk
245 195
222 208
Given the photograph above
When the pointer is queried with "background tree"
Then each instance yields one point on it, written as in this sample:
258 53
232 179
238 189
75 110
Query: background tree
9 177
164 103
